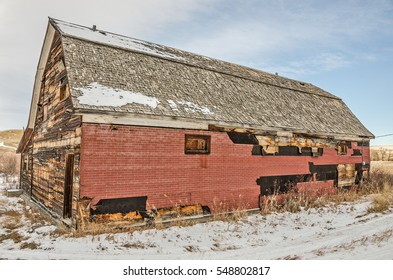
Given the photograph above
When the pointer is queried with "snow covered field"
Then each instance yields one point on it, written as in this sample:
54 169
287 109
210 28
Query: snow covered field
337 232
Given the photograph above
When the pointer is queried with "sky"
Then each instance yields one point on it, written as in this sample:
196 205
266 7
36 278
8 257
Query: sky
345 47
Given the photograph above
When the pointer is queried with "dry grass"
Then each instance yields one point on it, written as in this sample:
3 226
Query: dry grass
12 221
380 204
139 245
15 236
12 213
379 187
11 225
229 213
217 247
377 239
384 166
60 230
192 249
29 245
290 257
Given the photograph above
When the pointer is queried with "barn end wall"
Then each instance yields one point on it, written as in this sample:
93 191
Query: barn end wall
54 138
131 161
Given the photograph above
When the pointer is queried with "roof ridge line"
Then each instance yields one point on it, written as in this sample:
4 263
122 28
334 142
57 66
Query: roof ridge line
187 63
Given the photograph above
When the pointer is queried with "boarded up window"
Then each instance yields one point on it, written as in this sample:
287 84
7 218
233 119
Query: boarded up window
342 148
197 144
63 88
63 92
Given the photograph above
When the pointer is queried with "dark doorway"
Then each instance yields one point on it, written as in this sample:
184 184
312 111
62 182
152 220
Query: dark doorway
68 180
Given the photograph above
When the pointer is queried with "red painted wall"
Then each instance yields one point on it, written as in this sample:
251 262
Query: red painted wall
145 161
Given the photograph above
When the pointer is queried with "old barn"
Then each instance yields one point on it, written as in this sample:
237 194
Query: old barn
119 125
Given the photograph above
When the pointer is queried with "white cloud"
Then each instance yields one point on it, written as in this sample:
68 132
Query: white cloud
260 32
329 61
311 65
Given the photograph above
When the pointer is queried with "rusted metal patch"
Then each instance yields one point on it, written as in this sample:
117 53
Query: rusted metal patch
280 184
122 205
243 138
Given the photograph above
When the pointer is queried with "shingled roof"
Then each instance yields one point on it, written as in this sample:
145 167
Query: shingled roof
113 74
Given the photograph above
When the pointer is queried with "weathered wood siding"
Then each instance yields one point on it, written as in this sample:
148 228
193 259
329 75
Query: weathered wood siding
26 168
56 133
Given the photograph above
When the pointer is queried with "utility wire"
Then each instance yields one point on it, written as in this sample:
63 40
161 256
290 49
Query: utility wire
384 135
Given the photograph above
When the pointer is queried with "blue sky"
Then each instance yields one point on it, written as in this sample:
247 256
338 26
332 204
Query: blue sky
344 47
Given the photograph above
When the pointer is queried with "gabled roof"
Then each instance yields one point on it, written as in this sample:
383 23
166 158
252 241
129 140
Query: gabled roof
118 76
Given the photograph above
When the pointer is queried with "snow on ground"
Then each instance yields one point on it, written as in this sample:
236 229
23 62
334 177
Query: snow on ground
342 232
5 146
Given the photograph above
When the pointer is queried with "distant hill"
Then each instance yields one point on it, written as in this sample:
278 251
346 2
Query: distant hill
9 139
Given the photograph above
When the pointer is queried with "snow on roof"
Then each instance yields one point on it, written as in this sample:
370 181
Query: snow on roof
115 40
96 94
192 107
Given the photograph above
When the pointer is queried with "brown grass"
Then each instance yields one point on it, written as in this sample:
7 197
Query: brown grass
13 220
379 187
14 236
377 239
385 166
139 245
12 213
290 257
60 230
29 245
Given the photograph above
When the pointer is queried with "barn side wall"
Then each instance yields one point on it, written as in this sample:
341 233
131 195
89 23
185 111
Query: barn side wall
131 161
56 135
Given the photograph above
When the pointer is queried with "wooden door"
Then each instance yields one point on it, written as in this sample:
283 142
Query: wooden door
68 181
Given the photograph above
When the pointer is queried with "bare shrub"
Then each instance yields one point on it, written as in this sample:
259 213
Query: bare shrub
380 204
292 201
379 181
380 186
9 165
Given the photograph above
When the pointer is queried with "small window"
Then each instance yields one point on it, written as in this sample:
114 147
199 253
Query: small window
342 148
197 144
